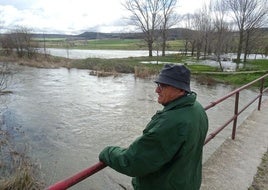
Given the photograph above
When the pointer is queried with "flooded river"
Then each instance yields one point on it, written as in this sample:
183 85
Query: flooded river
69 116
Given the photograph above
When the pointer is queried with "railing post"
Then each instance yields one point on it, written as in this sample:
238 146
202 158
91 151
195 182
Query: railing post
235 114
261 91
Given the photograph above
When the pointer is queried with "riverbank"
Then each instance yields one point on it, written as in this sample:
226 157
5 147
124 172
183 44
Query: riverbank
106 67
40 61
209 75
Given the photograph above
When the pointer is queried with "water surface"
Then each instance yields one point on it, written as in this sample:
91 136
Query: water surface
69 116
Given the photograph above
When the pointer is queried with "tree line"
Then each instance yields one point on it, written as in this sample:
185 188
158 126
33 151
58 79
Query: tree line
19 40
220 27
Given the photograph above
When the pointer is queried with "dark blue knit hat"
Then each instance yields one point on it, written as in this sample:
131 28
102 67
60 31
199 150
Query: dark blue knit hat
177 76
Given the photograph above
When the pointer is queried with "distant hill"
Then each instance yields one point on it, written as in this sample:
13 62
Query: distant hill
99 35
51 36
91 35
174 33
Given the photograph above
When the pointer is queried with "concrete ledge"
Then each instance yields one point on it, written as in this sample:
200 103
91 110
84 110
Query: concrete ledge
234 165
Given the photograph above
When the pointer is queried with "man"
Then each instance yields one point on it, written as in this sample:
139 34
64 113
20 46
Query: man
168 155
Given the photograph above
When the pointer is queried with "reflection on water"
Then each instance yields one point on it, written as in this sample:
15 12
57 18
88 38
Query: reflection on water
69 116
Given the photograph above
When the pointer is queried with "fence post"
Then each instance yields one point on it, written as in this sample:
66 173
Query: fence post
235 114
261 91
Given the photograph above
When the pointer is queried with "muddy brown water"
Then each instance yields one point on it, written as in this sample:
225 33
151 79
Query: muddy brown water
69 116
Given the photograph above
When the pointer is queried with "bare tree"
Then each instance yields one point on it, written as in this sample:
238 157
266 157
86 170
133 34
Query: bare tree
7 44
5 76
186 34
203 26
222 30
169 19
20 39
247 14
257 19
266 50
254 44
189 34
145 16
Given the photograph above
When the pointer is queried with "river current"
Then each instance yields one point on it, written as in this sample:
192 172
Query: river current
68 116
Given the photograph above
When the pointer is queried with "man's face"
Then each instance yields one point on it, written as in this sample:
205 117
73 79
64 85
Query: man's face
167 93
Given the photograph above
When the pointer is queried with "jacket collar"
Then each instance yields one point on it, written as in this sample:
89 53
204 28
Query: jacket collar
186 100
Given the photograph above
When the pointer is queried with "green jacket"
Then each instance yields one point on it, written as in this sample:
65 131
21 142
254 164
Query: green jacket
169 153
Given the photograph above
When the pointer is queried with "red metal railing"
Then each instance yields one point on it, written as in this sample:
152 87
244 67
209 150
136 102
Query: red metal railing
236 111
66 183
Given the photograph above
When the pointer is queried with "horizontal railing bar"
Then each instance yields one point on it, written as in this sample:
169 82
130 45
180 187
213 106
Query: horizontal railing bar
214 133
68 182
251 102
218 130
212 104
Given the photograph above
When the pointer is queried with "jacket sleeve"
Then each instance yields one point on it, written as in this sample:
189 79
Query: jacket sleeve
145 155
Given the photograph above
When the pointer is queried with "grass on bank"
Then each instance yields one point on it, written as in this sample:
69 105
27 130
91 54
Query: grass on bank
251 71
261 178
238 79
127 65
17 170
135 65
22 178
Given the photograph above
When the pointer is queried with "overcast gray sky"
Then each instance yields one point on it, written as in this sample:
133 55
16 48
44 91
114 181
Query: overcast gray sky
73 16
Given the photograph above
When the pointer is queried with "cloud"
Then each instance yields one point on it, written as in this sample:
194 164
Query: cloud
71 16
67 16
18 4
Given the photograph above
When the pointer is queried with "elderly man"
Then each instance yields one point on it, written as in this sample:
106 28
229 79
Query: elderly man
168 155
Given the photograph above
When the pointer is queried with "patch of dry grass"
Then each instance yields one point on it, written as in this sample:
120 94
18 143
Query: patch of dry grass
260 181
144 72
22 178
17 170
39 61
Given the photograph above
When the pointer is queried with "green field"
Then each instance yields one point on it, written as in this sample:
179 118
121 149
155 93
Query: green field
116 44
101 44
